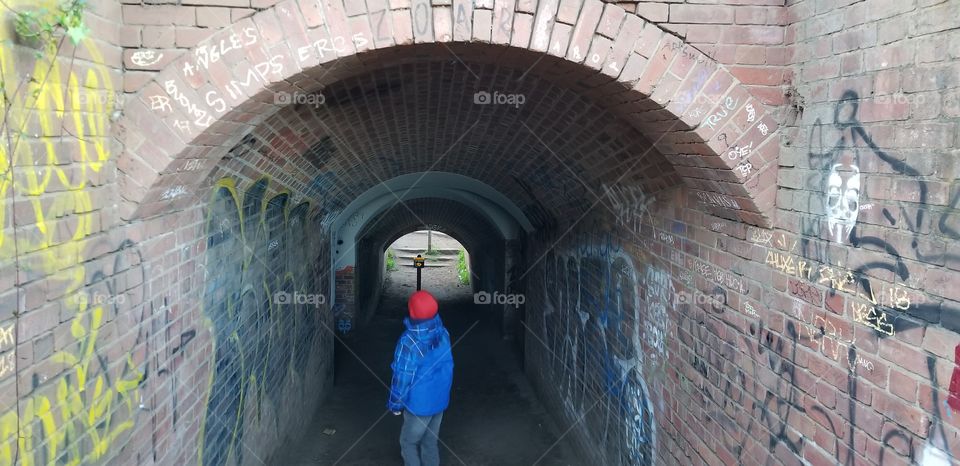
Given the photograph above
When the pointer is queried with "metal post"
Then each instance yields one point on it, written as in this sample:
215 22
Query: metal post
418 262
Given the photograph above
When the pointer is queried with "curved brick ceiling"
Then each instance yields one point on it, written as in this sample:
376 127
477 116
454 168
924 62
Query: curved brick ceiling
552 154
399 108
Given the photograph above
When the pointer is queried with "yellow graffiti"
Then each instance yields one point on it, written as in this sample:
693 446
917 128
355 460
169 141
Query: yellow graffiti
55 143
252 226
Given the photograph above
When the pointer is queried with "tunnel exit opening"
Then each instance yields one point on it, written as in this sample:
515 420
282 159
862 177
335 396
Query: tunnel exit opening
445 270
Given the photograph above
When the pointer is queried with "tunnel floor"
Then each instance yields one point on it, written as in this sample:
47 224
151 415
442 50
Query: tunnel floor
494 416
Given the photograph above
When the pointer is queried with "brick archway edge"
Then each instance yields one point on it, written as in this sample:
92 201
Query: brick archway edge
176 129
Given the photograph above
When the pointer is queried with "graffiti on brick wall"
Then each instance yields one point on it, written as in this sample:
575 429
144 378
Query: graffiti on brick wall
658 292
259 254
81 402
869 302
594 326
630 205
762 381
535 210
839 160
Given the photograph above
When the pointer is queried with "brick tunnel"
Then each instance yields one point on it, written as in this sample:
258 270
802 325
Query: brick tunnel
733 227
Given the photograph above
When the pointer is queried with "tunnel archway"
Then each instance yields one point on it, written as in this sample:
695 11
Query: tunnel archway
600 131
471 228
203 104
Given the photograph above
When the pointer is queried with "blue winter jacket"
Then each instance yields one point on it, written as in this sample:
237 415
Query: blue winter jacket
422 368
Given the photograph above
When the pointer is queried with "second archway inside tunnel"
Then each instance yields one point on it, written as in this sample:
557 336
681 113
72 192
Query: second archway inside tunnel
445 272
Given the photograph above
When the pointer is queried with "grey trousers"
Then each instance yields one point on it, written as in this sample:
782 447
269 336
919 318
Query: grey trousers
418 439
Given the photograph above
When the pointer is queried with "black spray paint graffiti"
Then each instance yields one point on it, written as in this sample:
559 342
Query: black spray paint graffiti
765 383
843 184
259 254
539 216
778 405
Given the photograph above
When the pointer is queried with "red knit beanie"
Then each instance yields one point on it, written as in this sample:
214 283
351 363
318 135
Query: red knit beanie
422 305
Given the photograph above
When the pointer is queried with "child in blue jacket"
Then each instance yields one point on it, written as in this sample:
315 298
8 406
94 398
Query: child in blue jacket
422 376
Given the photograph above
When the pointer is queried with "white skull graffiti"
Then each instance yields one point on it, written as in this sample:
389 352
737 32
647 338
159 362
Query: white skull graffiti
843 200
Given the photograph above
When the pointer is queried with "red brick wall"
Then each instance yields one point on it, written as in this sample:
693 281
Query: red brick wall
155 33
747 35
70 279
831 337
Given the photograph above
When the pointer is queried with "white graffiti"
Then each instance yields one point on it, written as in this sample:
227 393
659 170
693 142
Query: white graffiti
718 275
7 364
335 46
762 127
630 205
749 310
160 102
659 291
541 30
751 113
6 337
718 200
738 152
256 73
714 118
205 54
666 238
842 202
759 235
182 125
203 118
355 220
192 165
173 192
745 168
145 57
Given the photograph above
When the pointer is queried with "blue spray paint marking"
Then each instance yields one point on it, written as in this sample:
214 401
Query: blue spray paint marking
591 292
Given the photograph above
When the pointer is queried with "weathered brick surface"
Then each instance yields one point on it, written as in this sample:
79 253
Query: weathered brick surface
746 230
714 28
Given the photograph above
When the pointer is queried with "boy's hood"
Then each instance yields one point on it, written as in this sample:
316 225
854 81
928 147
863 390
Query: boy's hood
425 330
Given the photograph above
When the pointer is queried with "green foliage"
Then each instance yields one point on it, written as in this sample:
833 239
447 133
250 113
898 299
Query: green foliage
463 274
391 260
431 252
44 26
